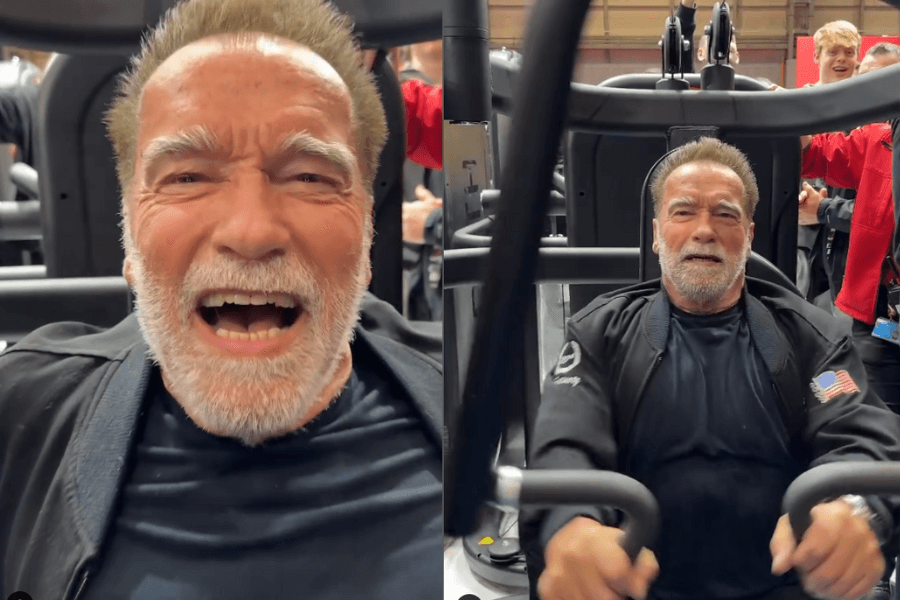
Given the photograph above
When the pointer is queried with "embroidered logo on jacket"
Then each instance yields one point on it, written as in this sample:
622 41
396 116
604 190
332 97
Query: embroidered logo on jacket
569 358
830 385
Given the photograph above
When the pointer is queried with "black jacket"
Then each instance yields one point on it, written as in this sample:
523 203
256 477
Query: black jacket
622 338
70 397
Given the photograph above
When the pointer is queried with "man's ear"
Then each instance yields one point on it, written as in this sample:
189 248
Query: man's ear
752 229
816 57
656 236
127 273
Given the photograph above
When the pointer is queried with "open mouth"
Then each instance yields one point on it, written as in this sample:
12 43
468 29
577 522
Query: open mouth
249 316
702 258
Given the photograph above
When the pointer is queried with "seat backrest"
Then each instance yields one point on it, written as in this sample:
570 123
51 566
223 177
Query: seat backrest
77 176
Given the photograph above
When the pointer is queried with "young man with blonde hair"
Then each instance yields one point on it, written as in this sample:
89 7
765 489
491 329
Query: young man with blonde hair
836 51
242 435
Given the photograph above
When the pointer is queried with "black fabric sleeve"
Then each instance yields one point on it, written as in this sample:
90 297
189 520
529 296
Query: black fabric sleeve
856 426
688 26
837 213
574 430
18 114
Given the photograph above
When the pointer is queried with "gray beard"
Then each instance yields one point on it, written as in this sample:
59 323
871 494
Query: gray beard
250 399
698 284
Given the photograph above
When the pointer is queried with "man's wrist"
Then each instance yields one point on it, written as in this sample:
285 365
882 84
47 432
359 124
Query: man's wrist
862 509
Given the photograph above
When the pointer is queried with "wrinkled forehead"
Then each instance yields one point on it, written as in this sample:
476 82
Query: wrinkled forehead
699 178
180 64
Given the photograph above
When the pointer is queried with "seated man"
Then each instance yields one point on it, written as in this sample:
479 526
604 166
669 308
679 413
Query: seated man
716 394
241 436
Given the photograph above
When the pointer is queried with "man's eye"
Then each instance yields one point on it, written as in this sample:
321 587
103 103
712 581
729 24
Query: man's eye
314 178
185 178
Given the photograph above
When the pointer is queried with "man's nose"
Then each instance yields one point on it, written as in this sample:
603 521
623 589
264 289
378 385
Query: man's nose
254 227
704 231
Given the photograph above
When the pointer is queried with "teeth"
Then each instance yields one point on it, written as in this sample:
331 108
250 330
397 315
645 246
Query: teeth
249 337
284 302
214 300
280 300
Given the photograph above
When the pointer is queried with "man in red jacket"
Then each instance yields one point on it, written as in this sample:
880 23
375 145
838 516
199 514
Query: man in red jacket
424 117
862 160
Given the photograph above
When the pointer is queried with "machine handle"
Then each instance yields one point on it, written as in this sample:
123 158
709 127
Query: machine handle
546 488
833 480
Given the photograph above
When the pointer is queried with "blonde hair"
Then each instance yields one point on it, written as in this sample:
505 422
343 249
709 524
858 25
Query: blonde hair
837 33
315 24
707 150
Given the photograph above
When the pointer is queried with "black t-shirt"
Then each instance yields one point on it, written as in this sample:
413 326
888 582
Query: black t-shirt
348 508
710 443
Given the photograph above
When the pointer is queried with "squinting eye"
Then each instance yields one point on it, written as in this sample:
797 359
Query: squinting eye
183 178
314 178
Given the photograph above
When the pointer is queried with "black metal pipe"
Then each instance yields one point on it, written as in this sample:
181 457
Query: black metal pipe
550 43
477 235
467 76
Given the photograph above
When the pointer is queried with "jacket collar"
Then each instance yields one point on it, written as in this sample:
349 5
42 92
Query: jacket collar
763 330
103 448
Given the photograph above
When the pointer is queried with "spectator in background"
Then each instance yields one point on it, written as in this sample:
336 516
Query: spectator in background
859 231
423 186
19 98
20 76
835 212
883 54
836 52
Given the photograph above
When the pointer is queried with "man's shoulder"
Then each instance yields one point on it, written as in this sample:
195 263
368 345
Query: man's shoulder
56 368
791 311
388 331
620 306
79 339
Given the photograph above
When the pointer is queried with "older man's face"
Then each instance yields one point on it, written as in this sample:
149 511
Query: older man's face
249 225
874 63
703 235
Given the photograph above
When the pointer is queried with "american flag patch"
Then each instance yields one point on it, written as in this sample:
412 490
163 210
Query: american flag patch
830 385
